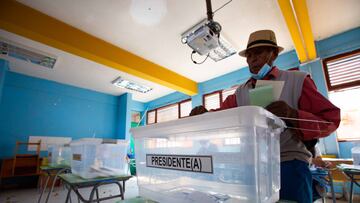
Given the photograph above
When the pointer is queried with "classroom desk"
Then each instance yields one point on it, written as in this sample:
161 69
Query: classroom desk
354 176
52 171
75 182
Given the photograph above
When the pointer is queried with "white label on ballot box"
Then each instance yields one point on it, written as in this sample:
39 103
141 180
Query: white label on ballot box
192 163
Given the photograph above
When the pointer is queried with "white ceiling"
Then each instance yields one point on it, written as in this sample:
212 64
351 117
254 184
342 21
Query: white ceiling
73 70
152 29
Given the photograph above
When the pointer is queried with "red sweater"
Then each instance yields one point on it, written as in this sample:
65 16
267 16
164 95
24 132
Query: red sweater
312 106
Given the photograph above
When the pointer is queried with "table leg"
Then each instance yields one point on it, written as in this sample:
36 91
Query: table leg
53 184
68 195
351 189
43 189
332 187
92 194
97 195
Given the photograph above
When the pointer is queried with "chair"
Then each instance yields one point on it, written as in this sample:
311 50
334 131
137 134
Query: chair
26 164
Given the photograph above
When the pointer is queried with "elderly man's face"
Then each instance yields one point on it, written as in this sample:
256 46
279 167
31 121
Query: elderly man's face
256 57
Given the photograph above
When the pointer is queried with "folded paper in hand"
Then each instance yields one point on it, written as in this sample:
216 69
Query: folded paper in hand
265 92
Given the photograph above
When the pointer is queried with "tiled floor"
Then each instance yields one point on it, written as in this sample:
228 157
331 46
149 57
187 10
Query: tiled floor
58 196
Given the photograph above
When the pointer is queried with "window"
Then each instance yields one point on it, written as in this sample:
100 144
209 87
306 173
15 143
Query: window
349 128
227 93
342 73
343 70
169 112
151 115
185 108
214 99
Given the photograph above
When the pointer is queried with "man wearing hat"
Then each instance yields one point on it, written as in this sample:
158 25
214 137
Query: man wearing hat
311 115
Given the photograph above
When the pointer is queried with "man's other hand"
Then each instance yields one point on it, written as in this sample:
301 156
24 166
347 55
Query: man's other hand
282 109
198 110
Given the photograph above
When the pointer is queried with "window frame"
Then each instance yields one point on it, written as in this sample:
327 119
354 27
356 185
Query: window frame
147 117
162 107
210 94
327 76
220 92
179 103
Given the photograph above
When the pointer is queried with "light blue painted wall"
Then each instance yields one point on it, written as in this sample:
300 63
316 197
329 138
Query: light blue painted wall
124 122
4 66
341 43
137 106
33 106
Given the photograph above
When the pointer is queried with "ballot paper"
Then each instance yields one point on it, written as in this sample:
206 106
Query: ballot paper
277 87
265 92
261 96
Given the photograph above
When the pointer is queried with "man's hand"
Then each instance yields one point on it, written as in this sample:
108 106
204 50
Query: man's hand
198 110
282 109
318 162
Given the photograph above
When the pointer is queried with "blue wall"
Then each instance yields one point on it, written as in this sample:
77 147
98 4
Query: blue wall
4 66
124 122
33 106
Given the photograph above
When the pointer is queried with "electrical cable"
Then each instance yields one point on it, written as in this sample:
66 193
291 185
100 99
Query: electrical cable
193 52
221 7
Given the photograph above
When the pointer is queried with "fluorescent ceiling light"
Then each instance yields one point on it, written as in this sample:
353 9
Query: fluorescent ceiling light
119 82
20 52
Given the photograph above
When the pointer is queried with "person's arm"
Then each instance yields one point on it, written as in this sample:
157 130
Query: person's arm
314 106
230 102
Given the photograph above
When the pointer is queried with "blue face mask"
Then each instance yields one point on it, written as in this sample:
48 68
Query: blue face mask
265 69
262 72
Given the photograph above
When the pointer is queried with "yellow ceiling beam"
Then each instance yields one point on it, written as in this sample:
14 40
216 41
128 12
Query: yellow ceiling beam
293 28
302 15
25 21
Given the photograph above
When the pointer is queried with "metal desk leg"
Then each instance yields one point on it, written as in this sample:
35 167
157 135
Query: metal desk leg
43 190
68 195
351 189
97 195
332 187
53 184
92 194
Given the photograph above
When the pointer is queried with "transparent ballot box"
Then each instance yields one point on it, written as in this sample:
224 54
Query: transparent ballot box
59 154
99 158
225 156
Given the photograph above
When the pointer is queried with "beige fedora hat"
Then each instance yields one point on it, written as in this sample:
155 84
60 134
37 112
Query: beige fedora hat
261 38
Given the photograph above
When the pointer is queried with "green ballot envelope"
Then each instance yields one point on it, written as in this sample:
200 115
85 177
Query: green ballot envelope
261 96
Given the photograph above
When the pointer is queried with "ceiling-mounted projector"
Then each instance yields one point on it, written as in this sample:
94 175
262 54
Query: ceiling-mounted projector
204 38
